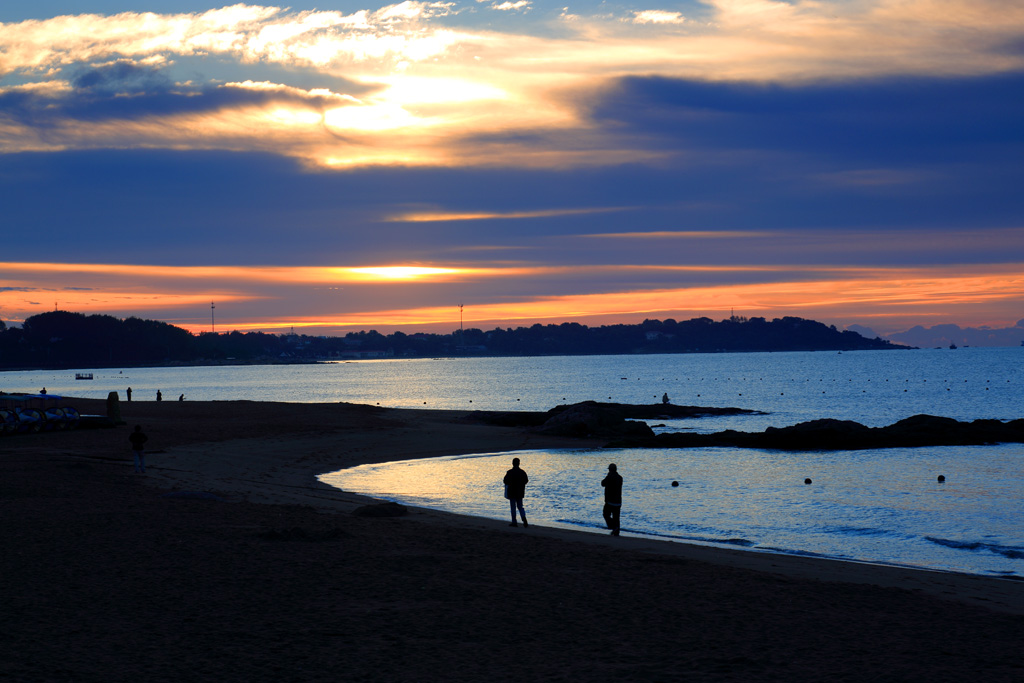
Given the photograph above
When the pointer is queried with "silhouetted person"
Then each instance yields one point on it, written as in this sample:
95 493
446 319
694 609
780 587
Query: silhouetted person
182 397
159 396
516 480
664 398
138 440
612 498
43 391
128 392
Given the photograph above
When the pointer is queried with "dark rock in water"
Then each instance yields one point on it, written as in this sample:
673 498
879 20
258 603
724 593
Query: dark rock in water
625 411
381 510
828 435
591 419
824 434
656 411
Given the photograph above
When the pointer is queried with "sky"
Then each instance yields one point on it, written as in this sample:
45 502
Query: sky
424 165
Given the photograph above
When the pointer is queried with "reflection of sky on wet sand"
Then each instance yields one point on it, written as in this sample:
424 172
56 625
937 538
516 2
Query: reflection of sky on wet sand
878 506
473 484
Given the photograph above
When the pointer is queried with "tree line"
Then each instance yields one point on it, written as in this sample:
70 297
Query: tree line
61 339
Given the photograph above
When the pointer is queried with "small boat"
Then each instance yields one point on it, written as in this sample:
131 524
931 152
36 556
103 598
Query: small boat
952 346
83 375
8 421
29 420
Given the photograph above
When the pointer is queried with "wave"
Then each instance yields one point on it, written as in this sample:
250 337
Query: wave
742 542
1011 551
861 531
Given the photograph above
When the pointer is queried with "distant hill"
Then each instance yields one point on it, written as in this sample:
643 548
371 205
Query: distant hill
60 339
944 335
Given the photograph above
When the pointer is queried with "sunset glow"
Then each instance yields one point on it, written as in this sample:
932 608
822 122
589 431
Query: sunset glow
379 165
870 294
401 272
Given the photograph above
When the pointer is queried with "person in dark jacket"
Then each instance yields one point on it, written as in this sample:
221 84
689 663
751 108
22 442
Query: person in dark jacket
515 488
612 498
138 441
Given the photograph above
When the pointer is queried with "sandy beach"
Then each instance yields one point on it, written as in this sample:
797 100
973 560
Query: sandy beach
229 561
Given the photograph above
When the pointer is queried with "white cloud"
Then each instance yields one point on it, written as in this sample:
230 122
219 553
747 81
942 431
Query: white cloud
251 32
657 16
508 6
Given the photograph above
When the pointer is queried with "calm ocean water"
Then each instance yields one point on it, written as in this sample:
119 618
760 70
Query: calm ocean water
876 506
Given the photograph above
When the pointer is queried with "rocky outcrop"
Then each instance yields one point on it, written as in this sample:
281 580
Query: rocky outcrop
592 419
828 435
595 410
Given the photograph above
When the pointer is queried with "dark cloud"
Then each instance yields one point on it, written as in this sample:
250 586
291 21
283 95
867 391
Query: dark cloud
928 156
928 119
887 153
127 91
120 78
219 208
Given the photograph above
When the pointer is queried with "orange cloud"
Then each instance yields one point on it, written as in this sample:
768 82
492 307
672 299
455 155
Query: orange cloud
282 295
684 234
869 294
430 216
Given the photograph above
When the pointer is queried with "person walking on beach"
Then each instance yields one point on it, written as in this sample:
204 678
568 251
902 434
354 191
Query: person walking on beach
159 395
612 484
128 391
138 440
515 488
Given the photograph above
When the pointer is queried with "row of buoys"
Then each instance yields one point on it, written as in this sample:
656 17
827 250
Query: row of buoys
941 479
32 420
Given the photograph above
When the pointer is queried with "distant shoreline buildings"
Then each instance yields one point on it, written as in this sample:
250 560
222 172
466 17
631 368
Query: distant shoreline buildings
60 339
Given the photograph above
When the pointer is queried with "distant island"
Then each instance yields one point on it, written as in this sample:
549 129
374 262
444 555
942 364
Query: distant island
61 339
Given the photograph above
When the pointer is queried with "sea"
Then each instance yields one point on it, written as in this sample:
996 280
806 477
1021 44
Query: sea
884 506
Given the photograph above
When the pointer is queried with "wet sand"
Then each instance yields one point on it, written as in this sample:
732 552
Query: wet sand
104 577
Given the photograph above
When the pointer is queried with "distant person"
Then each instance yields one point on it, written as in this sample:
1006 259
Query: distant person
129 393
664 398
159 396
138 441
515 483
42 391
182 397
612 498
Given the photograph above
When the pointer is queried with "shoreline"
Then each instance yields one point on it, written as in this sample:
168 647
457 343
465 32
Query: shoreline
138 583
253 474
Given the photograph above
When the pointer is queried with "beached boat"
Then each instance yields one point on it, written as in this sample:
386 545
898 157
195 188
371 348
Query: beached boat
8 421
29 420
83 375
64 417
